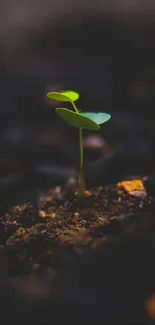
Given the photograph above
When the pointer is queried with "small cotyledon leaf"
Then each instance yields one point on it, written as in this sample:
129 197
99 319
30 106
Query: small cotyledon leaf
98 118
77 119
64 96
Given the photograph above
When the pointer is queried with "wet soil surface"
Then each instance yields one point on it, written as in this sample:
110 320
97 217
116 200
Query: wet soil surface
71 260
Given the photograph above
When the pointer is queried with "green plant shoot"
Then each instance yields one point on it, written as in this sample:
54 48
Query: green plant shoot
81 120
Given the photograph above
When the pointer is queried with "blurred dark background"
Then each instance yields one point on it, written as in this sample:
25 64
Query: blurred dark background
103 49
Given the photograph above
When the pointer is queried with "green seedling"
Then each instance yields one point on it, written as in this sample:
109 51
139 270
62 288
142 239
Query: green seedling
81 120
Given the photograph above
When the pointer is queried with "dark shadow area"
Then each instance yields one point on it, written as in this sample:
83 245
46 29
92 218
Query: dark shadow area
108 286
106 52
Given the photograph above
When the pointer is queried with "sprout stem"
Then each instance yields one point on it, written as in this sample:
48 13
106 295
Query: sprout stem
76 110
81 178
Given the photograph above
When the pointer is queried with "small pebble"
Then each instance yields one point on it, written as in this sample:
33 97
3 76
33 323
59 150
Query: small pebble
87 193
53 215
58 190
83 222
141 204
114 218
76 214
43 232
15 222
42 214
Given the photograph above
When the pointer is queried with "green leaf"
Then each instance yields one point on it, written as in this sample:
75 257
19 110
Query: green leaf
98 118
73 95
64 96
76 119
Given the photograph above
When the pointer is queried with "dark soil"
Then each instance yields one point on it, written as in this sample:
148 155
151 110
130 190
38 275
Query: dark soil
71 260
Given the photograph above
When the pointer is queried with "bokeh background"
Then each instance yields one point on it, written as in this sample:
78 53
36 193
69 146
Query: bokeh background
103 49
